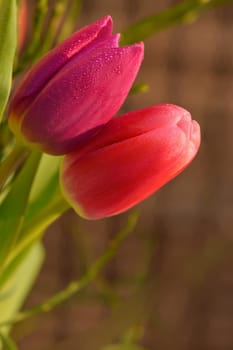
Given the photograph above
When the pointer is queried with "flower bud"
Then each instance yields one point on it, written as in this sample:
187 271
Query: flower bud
75 89
130 158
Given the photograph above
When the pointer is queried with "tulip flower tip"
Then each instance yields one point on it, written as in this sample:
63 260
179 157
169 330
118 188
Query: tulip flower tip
105 21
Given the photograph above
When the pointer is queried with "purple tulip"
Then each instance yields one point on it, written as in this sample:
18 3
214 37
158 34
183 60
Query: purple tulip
75 89
129 159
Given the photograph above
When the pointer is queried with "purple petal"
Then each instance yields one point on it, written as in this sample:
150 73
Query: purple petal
84 95
51 63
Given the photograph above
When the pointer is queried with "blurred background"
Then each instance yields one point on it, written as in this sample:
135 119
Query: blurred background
171 283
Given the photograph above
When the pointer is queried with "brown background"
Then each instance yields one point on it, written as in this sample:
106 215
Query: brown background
174 277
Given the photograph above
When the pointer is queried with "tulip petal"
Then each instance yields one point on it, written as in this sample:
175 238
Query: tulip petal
110 179
51 63
135 123
82 97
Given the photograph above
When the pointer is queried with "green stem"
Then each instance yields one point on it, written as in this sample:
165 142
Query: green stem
69 22
185 12
39 17
57 20
76 286
34 48
12 162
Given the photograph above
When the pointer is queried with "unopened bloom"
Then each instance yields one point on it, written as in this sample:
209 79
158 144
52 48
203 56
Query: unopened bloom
75 89
132 157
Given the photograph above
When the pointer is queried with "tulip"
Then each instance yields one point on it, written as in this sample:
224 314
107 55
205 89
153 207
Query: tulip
75 89
130 158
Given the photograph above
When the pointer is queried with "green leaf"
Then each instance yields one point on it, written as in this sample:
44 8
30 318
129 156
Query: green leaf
12 209
10 269
48 168
75 286
7 343
41 213
38 20
185 12
139 88
69 21
45 205
19 285
8 41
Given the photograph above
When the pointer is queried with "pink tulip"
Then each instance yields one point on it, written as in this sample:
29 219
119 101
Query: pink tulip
130 158
75 89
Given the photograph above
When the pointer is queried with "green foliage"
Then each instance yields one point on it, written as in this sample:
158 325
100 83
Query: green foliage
10 269
139 88
45 205
7 48
59 24
129 341
20 283
185 12
14 206
75 286
7 343
45 191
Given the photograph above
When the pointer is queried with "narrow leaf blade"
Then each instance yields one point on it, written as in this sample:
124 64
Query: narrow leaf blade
13 208
20 284
8 41
7 343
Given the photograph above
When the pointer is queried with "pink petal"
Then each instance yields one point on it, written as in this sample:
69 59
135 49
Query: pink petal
82 97
52 62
